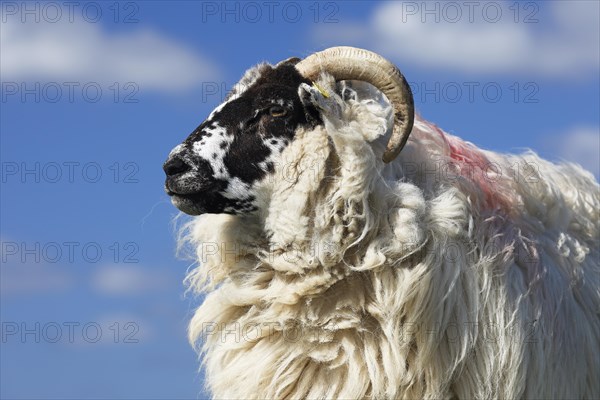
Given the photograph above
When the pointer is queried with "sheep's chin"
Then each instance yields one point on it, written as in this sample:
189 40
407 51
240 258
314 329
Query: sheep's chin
187 205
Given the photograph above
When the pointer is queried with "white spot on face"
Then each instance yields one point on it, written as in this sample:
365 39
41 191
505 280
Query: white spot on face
176 150
283 103
236 189
216 110
212 148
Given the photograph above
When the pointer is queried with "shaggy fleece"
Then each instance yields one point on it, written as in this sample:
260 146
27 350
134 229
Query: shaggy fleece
452 272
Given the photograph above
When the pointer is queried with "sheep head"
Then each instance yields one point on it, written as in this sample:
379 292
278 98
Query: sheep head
224 162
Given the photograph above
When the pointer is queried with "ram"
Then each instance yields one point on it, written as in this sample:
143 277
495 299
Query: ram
335 265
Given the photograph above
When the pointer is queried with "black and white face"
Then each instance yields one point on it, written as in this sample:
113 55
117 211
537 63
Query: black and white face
219 167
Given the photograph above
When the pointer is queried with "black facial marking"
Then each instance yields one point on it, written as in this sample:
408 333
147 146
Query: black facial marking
251 150
241 140
276 86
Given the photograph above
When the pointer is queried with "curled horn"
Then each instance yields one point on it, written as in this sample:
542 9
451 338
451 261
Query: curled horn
350 63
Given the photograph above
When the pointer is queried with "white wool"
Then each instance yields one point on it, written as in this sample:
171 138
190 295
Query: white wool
451 272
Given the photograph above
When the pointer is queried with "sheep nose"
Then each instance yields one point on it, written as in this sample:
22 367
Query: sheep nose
175 166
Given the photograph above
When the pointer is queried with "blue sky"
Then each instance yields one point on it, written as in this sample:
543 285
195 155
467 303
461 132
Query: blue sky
94 98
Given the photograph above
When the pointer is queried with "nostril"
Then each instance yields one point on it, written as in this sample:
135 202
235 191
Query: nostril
175 166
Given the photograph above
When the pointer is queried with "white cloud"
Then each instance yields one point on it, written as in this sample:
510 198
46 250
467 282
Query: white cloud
580 145
33 279
85 52
130 280
112 329
564 42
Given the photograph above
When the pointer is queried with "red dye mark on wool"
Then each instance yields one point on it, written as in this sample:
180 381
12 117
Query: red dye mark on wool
471 163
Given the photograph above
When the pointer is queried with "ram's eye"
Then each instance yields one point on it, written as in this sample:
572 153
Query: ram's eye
277 111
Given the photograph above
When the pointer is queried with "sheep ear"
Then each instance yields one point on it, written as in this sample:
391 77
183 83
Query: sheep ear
326 103
347 91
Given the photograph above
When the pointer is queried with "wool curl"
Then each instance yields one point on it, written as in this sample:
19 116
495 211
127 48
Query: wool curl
453 272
